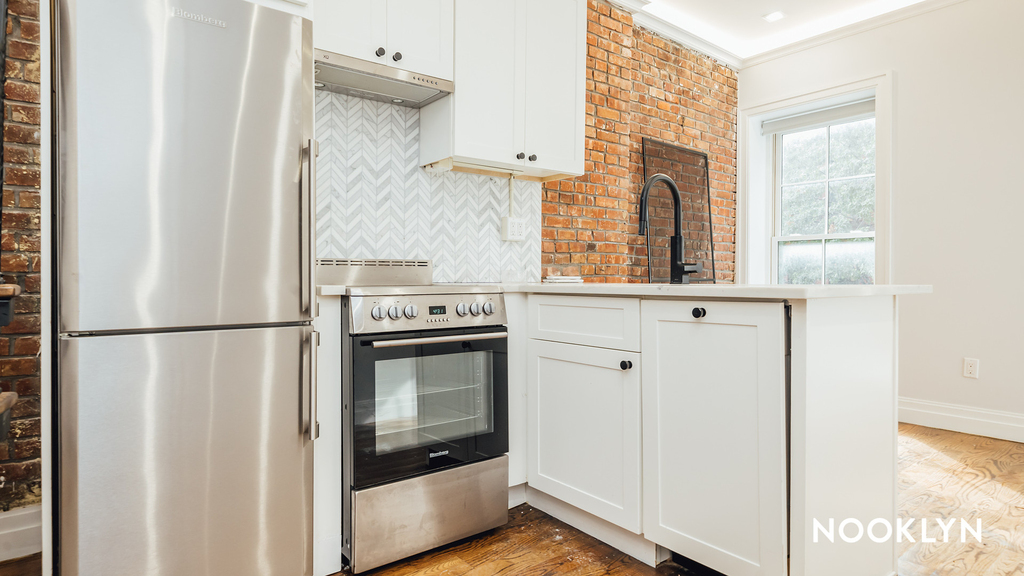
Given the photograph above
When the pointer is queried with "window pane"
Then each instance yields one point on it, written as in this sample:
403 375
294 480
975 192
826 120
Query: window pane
803 209
800 262
852 149
804 155
851 206
850 261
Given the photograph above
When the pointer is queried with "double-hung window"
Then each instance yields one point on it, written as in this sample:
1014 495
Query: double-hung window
824 192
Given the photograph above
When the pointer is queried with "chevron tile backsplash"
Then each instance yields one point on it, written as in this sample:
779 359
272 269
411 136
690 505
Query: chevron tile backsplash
374 201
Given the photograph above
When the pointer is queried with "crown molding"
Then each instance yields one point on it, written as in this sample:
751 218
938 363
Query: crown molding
677 34
850 30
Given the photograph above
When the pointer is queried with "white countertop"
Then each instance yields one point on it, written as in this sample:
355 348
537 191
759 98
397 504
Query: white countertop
696 291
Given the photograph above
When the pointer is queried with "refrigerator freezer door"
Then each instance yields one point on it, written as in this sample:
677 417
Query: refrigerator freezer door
183 127
186 454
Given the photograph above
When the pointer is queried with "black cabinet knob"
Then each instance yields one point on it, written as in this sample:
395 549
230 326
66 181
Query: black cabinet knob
397 56
533 157
380 51
521 155
699 312
625 365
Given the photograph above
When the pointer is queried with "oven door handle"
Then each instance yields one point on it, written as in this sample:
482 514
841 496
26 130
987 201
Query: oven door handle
439 340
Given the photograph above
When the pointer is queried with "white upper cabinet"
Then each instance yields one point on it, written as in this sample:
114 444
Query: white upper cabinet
520 89
556 42
421 36
414 35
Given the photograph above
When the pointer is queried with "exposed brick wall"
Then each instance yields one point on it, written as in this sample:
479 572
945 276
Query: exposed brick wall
639 85
20 256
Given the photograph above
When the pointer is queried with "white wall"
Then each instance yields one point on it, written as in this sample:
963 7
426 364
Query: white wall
957 197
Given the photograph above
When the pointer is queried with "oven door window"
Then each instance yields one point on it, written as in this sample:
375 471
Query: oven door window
427 406
429 400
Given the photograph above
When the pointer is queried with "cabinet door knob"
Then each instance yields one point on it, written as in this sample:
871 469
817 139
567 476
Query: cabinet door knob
380 51
397 56
521 155
699 312
533 157
625 364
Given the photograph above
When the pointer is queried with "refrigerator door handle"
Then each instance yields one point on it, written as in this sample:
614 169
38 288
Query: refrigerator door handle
308 227
309 382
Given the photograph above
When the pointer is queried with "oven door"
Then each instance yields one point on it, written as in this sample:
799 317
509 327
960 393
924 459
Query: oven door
424 401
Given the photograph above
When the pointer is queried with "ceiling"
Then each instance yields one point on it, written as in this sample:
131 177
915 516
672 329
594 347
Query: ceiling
738 26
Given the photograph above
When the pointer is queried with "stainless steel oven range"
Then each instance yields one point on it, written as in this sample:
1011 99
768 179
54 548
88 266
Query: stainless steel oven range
425 416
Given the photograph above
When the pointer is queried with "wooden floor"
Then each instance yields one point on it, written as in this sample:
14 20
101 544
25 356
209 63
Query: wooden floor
942 475
952 475
531 544
27 566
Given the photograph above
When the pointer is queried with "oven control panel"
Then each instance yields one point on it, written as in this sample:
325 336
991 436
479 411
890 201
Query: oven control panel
402 312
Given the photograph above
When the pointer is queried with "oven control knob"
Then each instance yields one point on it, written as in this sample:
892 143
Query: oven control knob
462 309
474 309
411 311
488 308
395 312
377 313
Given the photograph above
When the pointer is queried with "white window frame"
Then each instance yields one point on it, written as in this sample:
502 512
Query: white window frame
777 237
755 186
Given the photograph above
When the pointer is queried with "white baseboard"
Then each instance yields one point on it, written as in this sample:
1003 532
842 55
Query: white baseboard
978 421
516 495
633 544
21 532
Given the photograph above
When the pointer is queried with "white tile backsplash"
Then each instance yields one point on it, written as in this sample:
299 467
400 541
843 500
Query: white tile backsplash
374 201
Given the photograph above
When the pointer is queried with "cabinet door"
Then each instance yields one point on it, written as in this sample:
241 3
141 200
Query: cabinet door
354 28
715 433
584 429
556 50
490 70
422 31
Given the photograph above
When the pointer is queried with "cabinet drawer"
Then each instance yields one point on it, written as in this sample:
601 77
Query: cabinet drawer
603 322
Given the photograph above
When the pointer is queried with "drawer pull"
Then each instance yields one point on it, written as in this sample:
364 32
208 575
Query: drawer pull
625 365
699 312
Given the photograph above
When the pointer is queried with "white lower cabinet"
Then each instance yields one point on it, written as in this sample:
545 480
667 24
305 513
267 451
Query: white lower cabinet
714 433
584 428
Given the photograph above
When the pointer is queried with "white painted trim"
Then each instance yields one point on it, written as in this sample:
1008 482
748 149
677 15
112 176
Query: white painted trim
966 419
851 30
750 141
21 532
516 495
619 538
46 307
677 34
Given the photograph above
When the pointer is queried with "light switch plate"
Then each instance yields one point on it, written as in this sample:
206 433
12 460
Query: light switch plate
513 229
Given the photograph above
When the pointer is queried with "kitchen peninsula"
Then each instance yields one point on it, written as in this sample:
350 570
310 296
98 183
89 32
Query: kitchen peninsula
714 421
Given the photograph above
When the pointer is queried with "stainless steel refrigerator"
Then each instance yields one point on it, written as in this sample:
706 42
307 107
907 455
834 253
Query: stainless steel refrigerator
184 348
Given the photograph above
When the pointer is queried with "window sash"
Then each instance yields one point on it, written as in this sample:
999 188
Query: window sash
777 236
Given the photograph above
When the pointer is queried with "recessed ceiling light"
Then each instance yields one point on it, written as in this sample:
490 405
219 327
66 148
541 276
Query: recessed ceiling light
773 17
397 100
318 84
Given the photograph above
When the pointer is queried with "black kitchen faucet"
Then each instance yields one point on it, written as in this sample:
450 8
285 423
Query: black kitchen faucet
680 271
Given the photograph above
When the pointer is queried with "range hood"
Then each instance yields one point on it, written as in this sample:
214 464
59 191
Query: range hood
373 81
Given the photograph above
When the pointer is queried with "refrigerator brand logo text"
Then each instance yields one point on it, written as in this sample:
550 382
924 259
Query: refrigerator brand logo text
195 17
441 453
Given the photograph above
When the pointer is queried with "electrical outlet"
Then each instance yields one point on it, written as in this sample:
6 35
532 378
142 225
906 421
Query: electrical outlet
513 229
971 367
